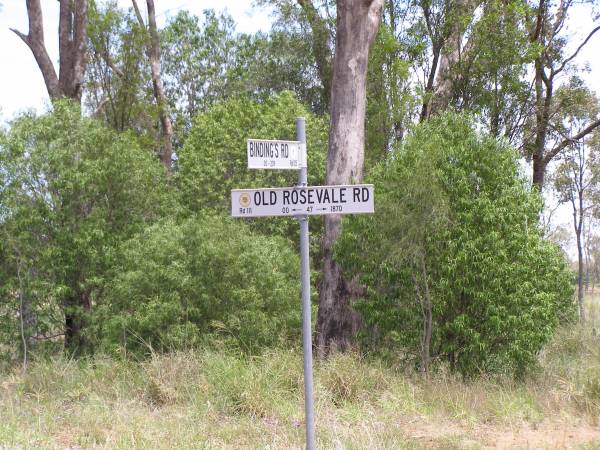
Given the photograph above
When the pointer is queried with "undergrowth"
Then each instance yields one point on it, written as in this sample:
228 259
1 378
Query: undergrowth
223 399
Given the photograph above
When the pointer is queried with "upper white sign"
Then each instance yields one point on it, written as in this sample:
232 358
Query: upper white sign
266 154
299 201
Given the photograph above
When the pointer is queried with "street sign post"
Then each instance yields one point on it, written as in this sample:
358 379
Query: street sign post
300 202
304 200
267 154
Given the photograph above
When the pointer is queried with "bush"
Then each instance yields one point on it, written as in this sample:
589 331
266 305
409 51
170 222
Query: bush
178 284
213 160
456 231
71 191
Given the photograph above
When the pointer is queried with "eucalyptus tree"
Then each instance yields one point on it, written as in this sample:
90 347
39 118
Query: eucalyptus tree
72 33
392 100
547 32
198 63
577 178
313 22
356 27
153 52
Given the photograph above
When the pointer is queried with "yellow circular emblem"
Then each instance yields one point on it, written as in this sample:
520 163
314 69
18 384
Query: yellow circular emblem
245 200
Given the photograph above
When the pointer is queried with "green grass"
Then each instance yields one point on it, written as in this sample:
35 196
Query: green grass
209 399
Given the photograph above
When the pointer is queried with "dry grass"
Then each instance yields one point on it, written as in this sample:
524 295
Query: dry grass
206 399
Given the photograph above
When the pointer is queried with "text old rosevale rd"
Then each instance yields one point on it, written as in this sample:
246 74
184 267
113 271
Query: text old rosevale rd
296 201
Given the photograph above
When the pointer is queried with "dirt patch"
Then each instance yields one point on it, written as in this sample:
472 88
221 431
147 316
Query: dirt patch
554 434
548 434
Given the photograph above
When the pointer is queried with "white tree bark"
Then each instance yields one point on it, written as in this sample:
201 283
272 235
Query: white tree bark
153 52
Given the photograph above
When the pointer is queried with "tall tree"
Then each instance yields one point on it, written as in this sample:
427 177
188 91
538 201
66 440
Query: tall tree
577 179
72 35
356 28
491 76
321 46
153 53
391 97
448 46
547 33
118 86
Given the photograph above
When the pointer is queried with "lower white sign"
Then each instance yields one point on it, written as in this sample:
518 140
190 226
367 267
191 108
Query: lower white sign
298 201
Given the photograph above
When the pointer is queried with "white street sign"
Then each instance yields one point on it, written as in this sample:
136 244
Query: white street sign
266 154
297 201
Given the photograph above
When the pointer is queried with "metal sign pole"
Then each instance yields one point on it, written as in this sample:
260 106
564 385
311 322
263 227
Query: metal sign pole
306 310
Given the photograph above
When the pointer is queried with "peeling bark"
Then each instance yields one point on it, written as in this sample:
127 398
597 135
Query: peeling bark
356 27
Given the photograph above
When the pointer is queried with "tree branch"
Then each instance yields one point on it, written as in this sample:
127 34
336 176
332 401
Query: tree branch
138 13
21 35
110 63
569 140
538 24
570 58
153 52
35 41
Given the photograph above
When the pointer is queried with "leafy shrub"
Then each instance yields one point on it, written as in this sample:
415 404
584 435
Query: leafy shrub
177 284
456 224
72 190
213 160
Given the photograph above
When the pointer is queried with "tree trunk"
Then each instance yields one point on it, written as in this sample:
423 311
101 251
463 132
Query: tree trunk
587 236
72 38
76 307
539 170
449 54
153 52
356 27
578 230
580 291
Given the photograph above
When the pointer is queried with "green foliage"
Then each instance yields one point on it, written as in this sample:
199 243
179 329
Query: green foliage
213 160
391 101
118 83
454 216
178 284
288 57
491 78
267 64
72 191
198 60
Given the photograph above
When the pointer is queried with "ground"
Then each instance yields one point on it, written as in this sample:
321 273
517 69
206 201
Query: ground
217 399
